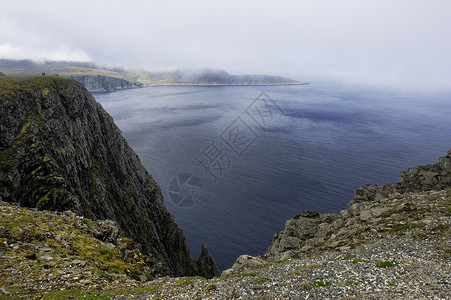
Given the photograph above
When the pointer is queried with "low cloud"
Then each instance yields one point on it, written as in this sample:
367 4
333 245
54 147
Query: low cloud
397 44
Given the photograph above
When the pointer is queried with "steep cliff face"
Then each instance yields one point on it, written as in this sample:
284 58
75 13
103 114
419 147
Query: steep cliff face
59 150
101 83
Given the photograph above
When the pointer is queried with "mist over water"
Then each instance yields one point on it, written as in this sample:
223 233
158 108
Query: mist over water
325 142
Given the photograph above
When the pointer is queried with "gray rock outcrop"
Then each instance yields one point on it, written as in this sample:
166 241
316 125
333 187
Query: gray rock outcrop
310 229
101 83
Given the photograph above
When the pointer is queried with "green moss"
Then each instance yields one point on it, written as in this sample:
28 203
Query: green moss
13 85
104 251
7 224
322 283
74 294
101 273
187 280
47 158
138 291
406 227
261 280
248 274
23 130
319 244
88 221
386 264
46 198
41 117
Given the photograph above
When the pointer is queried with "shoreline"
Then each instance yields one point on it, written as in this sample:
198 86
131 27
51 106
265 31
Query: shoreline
225 84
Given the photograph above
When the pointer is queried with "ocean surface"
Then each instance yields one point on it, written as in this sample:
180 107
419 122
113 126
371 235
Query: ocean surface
234 163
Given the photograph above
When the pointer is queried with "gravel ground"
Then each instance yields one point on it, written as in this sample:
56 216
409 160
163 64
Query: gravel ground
414 269
377 262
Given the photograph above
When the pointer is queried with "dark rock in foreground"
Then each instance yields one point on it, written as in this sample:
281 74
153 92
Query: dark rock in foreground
59 150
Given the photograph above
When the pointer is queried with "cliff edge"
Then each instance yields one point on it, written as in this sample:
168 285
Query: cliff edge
59 150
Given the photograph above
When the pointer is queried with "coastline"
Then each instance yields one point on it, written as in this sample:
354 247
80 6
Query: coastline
225 84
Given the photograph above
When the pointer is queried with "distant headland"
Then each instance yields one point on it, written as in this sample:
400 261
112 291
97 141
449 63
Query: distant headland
101 79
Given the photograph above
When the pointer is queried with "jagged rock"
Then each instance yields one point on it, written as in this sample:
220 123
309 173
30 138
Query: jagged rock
310 229
376 212
298 230
107 231
244 262
59 150
423 178
206 265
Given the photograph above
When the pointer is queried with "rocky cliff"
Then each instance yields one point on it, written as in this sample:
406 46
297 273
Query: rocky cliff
101 83
369 203
59 150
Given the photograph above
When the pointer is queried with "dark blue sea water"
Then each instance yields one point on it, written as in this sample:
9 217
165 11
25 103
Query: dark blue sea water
267 159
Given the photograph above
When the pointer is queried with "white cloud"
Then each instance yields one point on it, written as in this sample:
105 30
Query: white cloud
389 43
9 51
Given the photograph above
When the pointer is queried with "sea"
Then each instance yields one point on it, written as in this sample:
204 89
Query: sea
235 162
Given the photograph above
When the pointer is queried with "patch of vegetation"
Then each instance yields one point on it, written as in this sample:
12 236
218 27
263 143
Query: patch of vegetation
248 274
7 224
386 264
322 283
46 198
344 257
390 212
88 222
282 261
138 291
101 273
319 244
74 294
261 280
187 280
23 130
103 250
407 227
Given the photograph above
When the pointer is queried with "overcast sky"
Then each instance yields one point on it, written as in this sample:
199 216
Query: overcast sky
394 43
